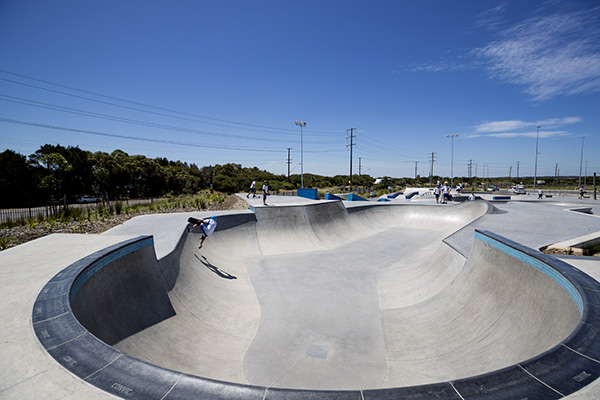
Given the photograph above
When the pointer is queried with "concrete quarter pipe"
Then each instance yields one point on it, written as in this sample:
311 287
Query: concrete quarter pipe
324 301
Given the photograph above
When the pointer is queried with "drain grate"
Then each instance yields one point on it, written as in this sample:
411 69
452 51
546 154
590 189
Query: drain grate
315 351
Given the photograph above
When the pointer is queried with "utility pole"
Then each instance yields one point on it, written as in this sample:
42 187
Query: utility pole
518 163
416 168
537 136
581 161
555 173
351 137
431 171
289 161
359 166
509 171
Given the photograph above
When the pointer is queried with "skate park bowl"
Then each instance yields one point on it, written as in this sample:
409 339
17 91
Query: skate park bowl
326 301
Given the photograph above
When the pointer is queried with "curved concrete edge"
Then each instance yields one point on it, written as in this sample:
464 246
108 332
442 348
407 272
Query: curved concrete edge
563 370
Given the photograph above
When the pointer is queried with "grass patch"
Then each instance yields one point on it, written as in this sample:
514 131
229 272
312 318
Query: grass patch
591 250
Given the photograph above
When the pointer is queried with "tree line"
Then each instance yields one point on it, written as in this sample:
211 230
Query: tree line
58 174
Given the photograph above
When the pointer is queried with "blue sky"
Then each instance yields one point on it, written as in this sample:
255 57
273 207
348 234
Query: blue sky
211 82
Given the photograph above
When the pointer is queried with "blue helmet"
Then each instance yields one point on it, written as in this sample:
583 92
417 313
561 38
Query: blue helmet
214 217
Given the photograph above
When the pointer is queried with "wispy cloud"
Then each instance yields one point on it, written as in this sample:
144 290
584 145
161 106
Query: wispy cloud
511 129
491 19
549 56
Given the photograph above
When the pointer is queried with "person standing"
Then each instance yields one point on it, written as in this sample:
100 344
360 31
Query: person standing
446 195
437 192
265 189
252 189
581 192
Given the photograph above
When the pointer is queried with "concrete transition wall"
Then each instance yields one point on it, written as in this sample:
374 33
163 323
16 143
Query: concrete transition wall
441 318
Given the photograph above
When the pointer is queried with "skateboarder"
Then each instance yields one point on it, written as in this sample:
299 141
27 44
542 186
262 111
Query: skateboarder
207 225
252 190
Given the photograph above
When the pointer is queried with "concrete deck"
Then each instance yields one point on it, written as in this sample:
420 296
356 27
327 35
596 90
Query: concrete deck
329 295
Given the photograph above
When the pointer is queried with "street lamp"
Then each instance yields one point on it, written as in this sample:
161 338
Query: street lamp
452 159
301 125
537 136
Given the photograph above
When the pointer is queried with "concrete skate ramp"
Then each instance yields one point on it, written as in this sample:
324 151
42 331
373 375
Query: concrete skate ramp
322 297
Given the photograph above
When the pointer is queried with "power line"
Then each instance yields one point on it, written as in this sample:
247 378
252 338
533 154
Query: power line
39 125
48 106
221 122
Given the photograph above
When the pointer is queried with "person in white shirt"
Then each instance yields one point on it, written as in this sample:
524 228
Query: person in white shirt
446 195
265 189
252 190
207 225
472 196
437 192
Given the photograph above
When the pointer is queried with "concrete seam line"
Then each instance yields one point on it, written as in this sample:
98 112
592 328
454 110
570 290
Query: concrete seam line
265 394
457 392
172 387
542 382
581 354
95 372
51 318
68 341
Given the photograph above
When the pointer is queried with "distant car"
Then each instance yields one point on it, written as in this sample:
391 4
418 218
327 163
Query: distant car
87 199
492 189
518 189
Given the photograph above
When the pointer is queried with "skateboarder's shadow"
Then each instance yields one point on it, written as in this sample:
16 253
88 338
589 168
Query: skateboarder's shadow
214 268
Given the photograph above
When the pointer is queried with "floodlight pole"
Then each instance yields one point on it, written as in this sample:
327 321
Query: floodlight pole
301 125
452 159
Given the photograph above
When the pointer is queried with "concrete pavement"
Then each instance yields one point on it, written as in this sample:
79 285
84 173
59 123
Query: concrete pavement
319 295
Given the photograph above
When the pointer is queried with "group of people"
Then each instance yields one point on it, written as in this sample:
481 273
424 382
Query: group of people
444 191
265 190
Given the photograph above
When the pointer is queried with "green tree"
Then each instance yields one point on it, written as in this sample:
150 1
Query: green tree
16 180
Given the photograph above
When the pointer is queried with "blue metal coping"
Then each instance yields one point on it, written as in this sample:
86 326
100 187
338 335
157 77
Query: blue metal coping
567 368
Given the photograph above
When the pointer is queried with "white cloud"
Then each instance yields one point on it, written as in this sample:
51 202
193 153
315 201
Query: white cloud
549 56
515 128
512 128
531 134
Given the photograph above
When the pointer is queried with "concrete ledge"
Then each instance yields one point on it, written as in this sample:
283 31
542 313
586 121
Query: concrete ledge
560 371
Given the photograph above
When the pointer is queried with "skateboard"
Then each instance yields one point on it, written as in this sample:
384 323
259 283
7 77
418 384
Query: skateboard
193 220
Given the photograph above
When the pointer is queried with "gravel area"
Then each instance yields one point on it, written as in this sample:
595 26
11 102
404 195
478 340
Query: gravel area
10 237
